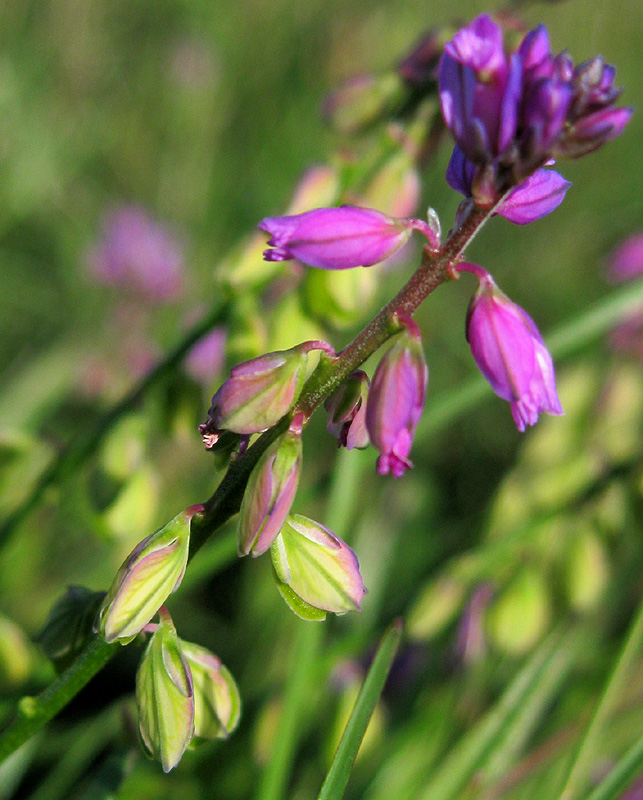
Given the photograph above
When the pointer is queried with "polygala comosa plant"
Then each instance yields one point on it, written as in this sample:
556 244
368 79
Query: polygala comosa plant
514 109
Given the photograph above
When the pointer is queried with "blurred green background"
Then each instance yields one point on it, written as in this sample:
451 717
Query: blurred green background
205 115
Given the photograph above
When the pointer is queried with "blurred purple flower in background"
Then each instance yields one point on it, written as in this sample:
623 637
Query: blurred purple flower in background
206 359
138 253
471 639
626 264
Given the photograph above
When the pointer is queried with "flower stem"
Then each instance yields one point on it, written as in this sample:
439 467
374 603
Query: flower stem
34 713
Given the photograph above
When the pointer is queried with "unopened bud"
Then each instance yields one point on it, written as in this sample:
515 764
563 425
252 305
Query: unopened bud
396 401
270 492
316 567
521 614
259 392
217 704
347 411
151 572
165 697
363 100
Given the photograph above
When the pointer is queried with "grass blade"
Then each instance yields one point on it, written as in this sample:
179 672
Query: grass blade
339 772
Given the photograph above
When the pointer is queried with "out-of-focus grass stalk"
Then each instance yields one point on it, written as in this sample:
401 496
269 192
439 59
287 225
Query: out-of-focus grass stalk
88 441
305 675
585 755
448 781
340 768
62 778
618 778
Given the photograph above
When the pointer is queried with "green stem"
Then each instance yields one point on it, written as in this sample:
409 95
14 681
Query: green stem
84 445
226 500
35 712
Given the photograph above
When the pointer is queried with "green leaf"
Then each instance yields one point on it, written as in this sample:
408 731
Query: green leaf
339 772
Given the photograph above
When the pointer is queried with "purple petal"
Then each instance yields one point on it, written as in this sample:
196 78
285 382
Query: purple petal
460 172
539 195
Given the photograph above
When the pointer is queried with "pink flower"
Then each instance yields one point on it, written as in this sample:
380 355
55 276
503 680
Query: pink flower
396 400
339 238
510 352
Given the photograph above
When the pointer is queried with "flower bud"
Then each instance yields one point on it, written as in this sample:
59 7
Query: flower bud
259 392
315 570
270 492
217 704
337 238
521 615
165 696
347 411
363 100
510 352
151 572
396 400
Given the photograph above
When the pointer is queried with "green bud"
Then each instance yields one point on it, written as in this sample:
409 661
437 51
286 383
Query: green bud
435 607
270 492
341 297
165 696
217 704
133 510
17 656
151 572
521 614
317 567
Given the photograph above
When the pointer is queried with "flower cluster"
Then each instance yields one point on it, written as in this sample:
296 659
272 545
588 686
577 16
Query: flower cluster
512 113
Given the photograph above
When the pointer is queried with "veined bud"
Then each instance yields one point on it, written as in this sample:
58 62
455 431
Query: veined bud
347 411
270 492
316 571
396 400
165 696
217 704
151 572
259 392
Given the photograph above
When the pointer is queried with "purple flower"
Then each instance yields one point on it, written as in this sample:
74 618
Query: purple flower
511 113
138 253
259 392
396 400
347 411
339 238
510 352
535 197
626 262
205 360
479 90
